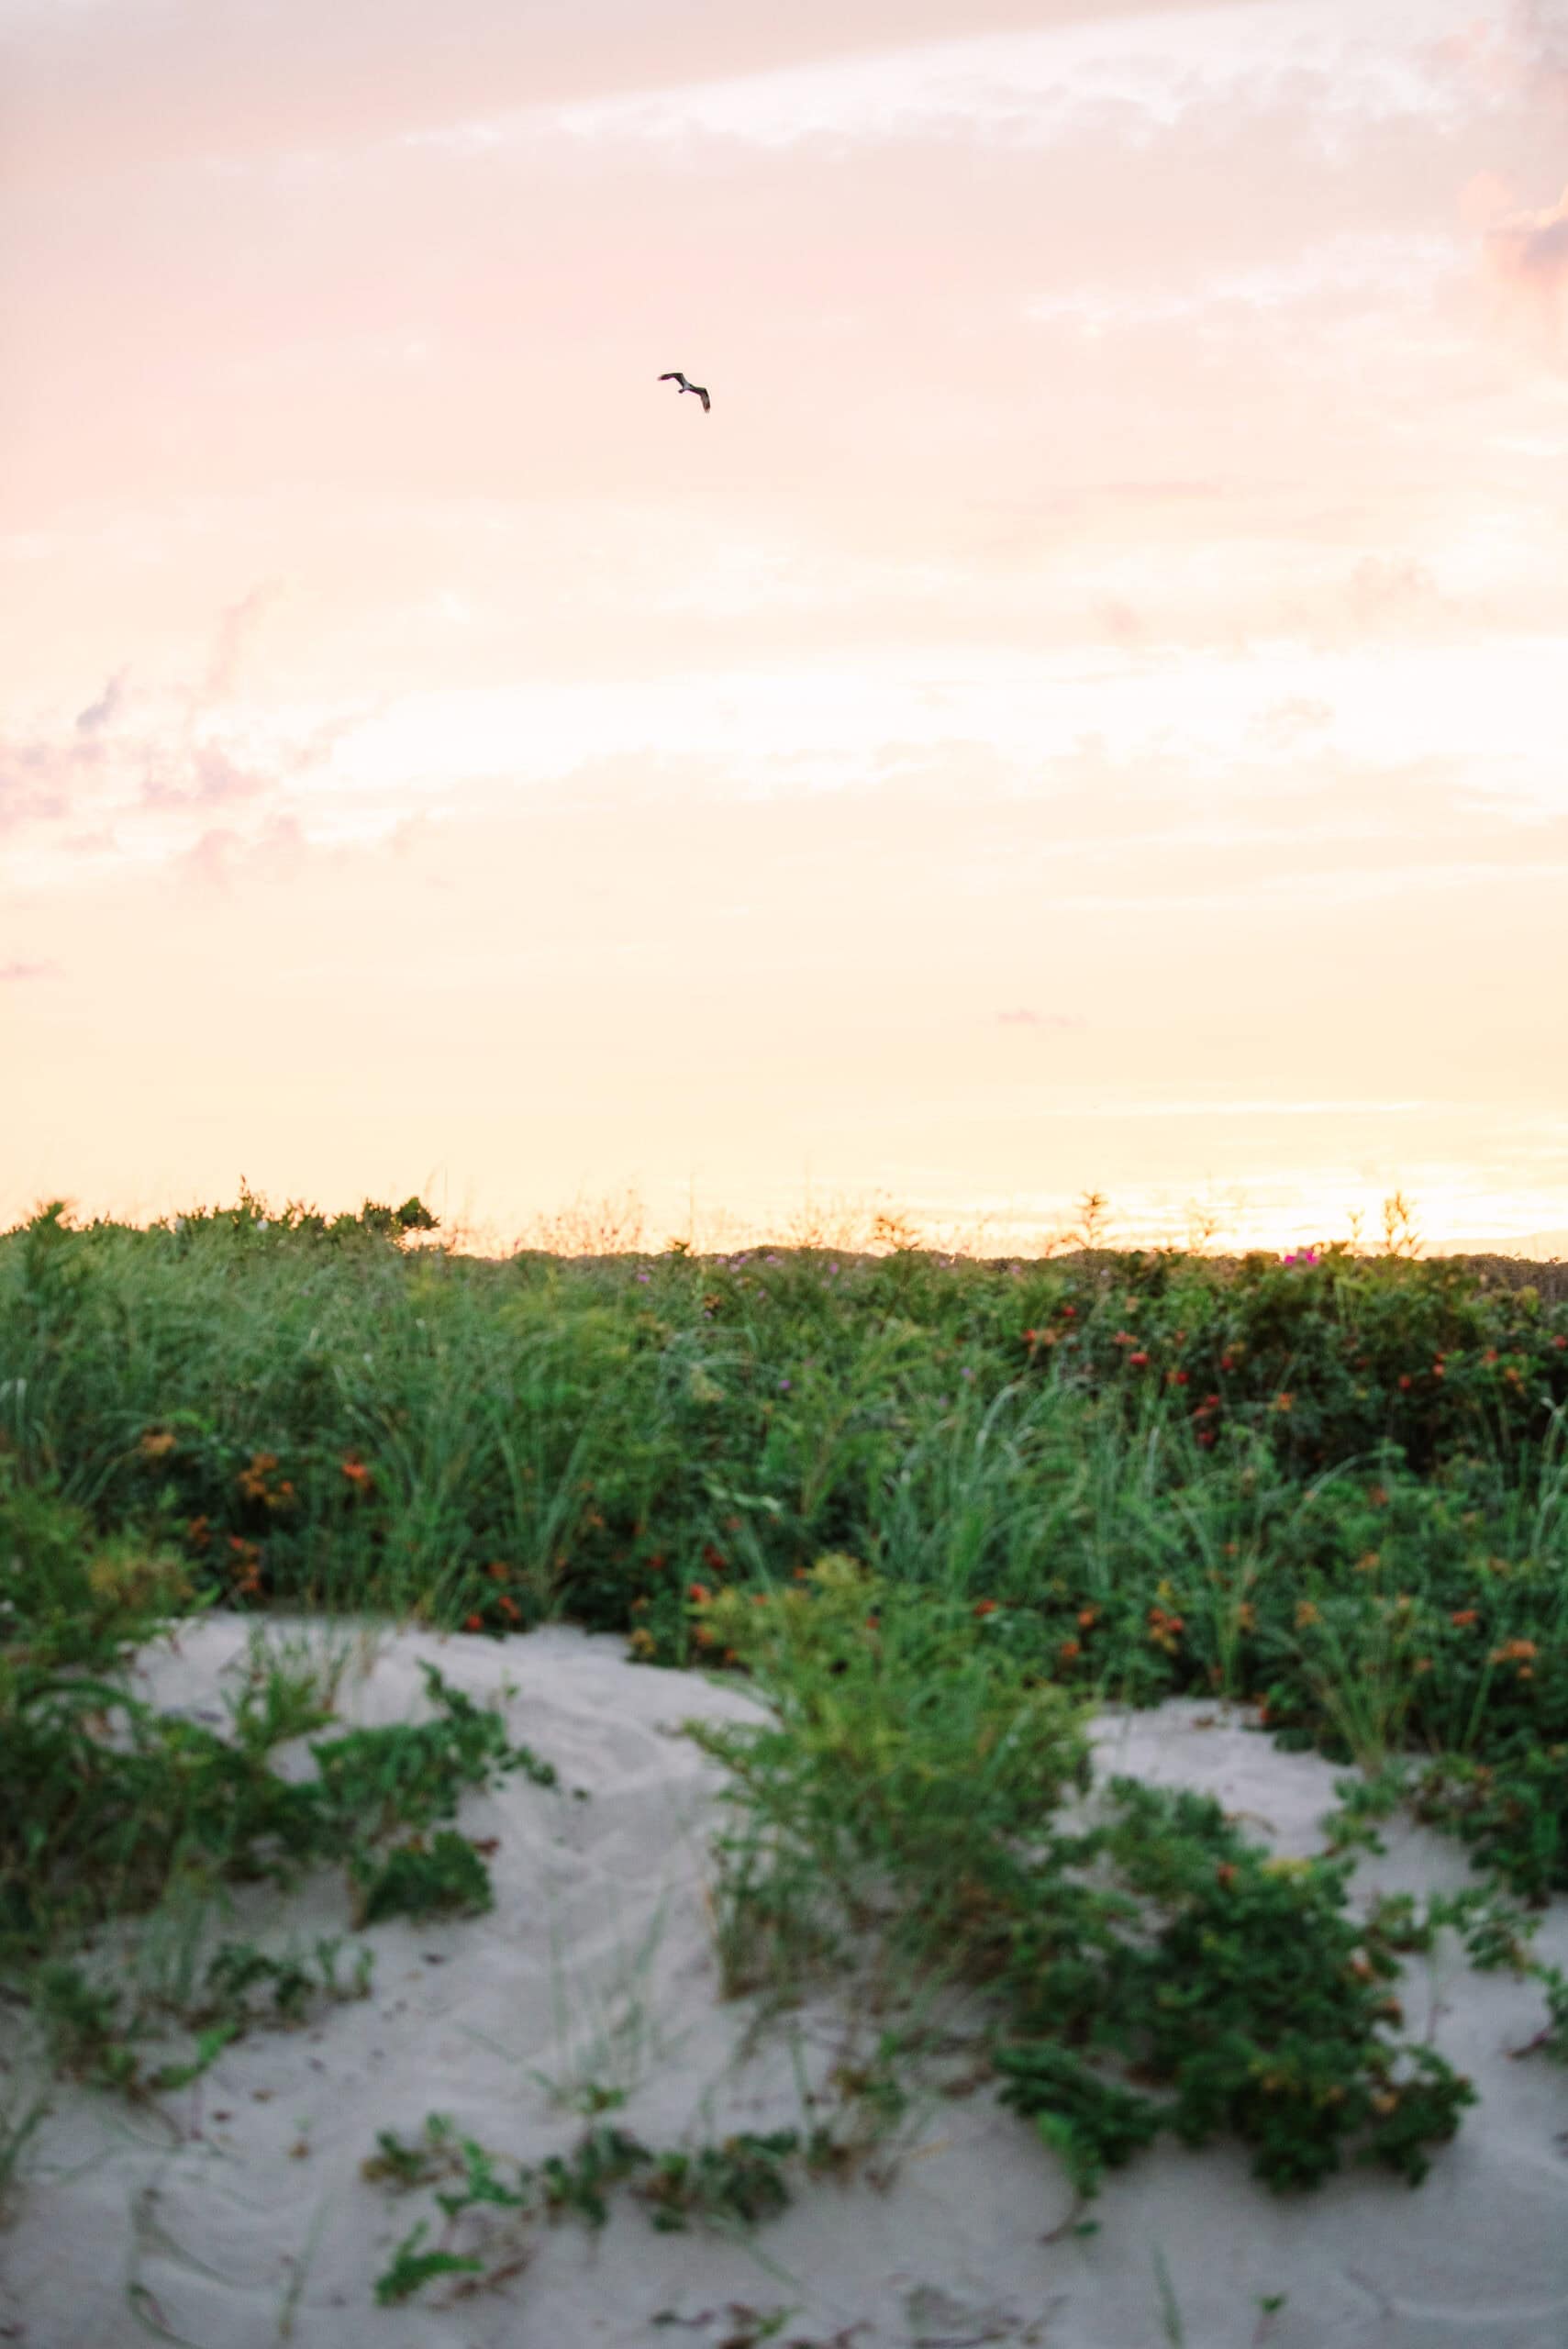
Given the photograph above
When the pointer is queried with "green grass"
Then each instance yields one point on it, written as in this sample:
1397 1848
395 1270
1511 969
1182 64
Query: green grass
1337 1486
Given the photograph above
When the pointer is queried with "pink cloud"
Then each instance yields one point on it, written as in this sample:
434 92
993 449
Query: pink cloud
1529 251
17 973
1063 1020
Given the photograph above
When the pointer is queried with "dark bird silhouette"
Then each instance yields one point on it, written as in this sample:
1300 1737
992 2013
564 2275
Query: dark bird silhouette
675 376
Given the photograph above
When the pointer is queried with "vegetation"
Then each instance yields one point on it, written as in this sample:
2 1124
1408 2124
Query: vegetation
940 1508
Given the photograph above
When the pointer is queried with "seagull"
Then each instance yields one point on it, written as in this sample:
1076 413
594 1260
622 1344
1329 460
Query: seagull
675 376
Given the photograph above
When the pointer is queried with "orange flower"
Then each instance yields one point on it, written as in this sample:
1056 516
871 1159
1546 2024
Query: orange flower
1465 1616
156 1443
1306 1615
473 1623
1070 1650
354 1468
1284 1402
1087 1616
510 1607
1515 1651
985 1607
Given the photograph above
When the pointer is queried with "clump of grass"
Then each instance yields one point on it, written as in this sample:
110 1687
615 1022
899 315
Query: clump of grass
913 1777
117 1810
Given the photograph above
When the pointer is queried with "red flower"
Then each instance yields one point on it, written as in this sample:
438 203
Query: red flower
985 1607
699 1594
474 1623
1405 1382
1140 1361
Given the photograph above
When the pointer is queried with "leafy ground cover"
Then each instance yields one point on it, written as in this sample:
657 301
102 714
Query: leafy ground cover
976 1498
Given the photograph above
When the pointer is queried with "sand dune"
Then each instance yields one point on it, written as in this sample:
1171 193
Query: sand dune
246 2222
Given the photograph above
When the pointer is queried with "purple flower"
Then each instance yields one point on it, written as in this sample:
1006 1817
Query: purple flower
784 1385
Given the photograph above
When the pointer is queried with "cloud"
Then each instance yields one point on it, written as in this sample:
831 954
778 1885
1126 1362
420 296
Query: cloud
220 858
235 630
1529 251
17 973
232 83
103 711
1063 1020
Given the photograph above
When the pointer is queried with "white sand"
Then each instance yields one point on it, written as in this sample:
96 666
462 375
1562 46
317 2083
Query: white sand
597 1963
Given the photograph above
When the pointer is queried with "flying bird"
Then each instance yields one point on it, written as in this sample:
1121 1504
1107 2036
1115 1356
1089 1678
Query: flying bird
675 376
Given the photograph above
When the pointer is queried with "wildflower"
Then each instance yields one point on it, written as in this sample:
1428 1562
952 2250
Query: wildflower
1087 1616
198 1532
1247 1616
1560 1344
1175 1378
1070 1650
699 1594
473 1623
1377 1495
1124 1338
1225 1874
1465 1616
1405 1382
712 1557
354 1468
1439 1368
985 1607
510 1607
1284 1402
1515 1651
642 1642
1138 1361
1165 1630
1226 1363
156 1443
1306 1615
1422 1664
656 1562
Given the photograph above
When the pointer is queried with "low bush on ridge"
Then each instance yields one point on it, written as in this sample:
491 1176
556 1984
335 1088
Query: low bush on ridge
1335 1483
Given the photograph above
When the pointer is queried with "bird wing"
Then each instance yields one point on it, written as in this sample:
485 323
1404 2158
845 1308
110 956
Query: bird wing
702 396
674 376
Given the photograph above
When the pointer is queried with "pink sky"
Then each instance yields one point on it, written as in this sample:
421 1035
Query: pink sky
1084 710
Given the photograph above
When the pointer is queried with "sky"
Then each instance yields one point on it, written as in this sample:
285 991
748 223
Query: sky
1081 711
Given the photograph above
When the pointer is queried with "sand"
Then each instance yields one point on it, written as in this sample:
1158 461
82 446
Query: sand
241 2219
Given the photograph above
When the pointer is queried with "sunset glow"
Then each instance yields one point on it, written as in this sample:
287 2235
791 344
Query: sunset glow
1083 711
